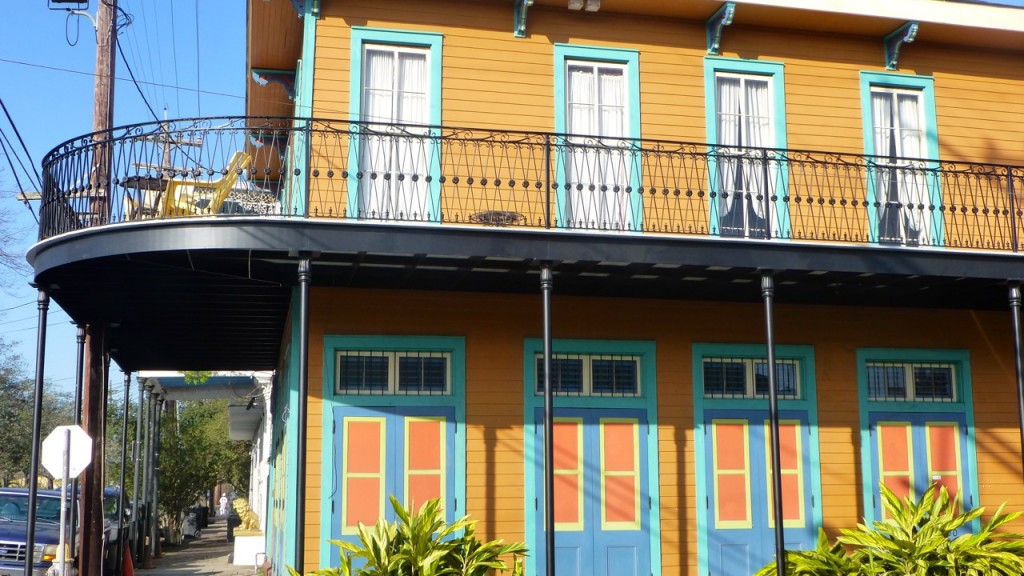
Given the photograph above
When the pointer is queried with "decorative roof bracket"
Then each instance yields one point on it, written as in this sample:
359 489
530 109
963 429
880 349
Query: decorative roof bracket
519 17
300 7
717 23
286 78
905 34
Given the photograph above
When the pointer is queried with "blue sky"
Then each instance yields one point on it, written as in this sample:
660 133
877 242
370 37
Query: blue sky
47 88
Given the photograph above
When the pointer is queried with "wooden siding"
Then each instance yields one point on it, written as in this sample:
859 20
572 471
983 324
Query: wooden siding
495 327
494 80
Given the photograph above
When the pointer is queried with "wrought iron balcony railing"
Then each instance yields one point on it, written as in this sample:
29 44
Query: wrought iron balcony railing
344 170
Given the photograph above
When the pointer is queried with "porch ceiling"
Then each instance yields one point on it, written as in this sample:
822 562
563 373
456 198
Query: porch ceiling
215 294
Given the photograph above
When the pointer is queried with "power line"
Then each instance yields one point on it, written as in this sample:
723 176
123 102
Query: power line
157 84
137 87
174 57
20 141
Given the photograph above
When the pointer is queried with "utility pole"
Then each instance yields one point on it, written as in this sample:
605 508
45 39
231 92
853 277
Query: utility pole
95 381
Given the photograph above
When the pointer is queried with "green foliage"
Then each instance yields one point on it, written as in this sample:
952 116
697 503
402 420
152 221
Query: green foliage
196 377
17 392
195 454
423 544
915 540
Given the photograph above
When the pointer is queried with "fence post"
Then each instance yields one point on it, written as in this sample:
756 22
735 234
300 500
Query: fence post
1013 207
547 181
308 167
767 196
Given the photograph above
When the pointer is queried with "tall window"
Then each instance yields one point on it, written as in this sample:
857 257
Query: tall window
900 135
598 111
395 151
746 125
395 91
898 127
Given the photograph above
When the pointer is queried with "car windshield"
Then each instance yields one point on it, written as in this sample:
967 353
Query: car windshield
15 507
110 505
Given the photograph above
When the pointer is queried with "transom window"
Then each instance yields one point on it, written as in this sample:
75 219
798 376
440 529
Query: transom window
394 372
591 375
911 381
748 377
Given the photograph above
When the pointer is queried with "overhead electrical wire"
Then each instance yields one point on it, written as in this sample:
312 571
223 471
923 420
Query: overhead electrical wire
174 58
22 142
143 82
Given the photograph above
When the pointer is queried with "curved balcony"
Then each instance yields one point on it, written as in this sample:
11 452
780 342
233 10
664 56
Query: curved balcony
358 171
184 236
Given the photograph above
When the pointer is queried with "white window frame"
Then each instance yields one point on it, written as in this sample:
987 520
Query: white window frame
395 50
596 67
750 377
895 92
588 380
393 361
911 383
743 77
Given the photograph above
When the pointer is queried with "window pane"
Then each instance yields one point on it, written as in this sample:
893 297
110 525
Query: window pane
363 374
724 378
785 379
422 374
613 376
887 382
933 382
566 375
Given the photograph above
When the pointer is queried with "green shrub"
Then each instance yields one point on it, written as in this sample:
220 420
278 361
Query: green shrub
915 540
423 544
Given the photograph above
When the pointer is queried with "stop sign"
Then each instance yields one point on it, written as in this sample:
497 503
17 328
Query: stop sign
78 446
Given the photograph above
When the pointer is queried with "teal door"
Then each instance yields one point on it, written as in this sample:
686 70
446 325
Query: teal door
741 526
601 504
910 451
405 451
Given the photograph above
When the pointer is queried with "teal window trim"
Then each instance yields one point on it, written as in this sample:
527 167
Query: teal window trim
432 42
964 404
926 85
296 203
628 58
648 400
455 346
808 401
776 72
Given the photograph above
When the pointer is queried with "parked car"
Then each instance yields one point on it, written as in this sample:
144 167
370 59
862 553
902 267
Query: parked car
111 533
14 530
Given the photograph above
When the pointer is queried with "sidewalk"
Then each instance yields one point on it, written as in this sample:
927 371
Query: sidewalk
208 555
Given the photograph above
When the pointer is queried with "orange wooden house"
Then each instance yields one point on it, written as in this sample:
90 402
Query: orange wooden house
666 259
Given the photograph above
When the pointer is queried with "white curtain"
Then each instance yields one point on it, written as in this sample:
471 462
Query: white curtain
757 121
395 90
744 120
913 187
596 107
899 138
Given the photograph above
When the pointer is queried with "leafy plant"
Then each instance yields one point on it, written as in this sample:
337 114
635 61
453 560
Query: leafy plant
422 544
915 540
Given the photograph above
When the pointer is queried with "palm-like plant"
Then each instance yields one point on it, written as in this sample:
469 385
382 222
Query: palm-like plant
422 544
915 540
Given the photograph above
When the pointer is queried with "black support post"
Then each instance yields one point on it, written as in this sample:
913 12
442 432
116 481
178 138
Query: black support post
546 286
1018 350
43 303
79 375
768 293
124 454
305 278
